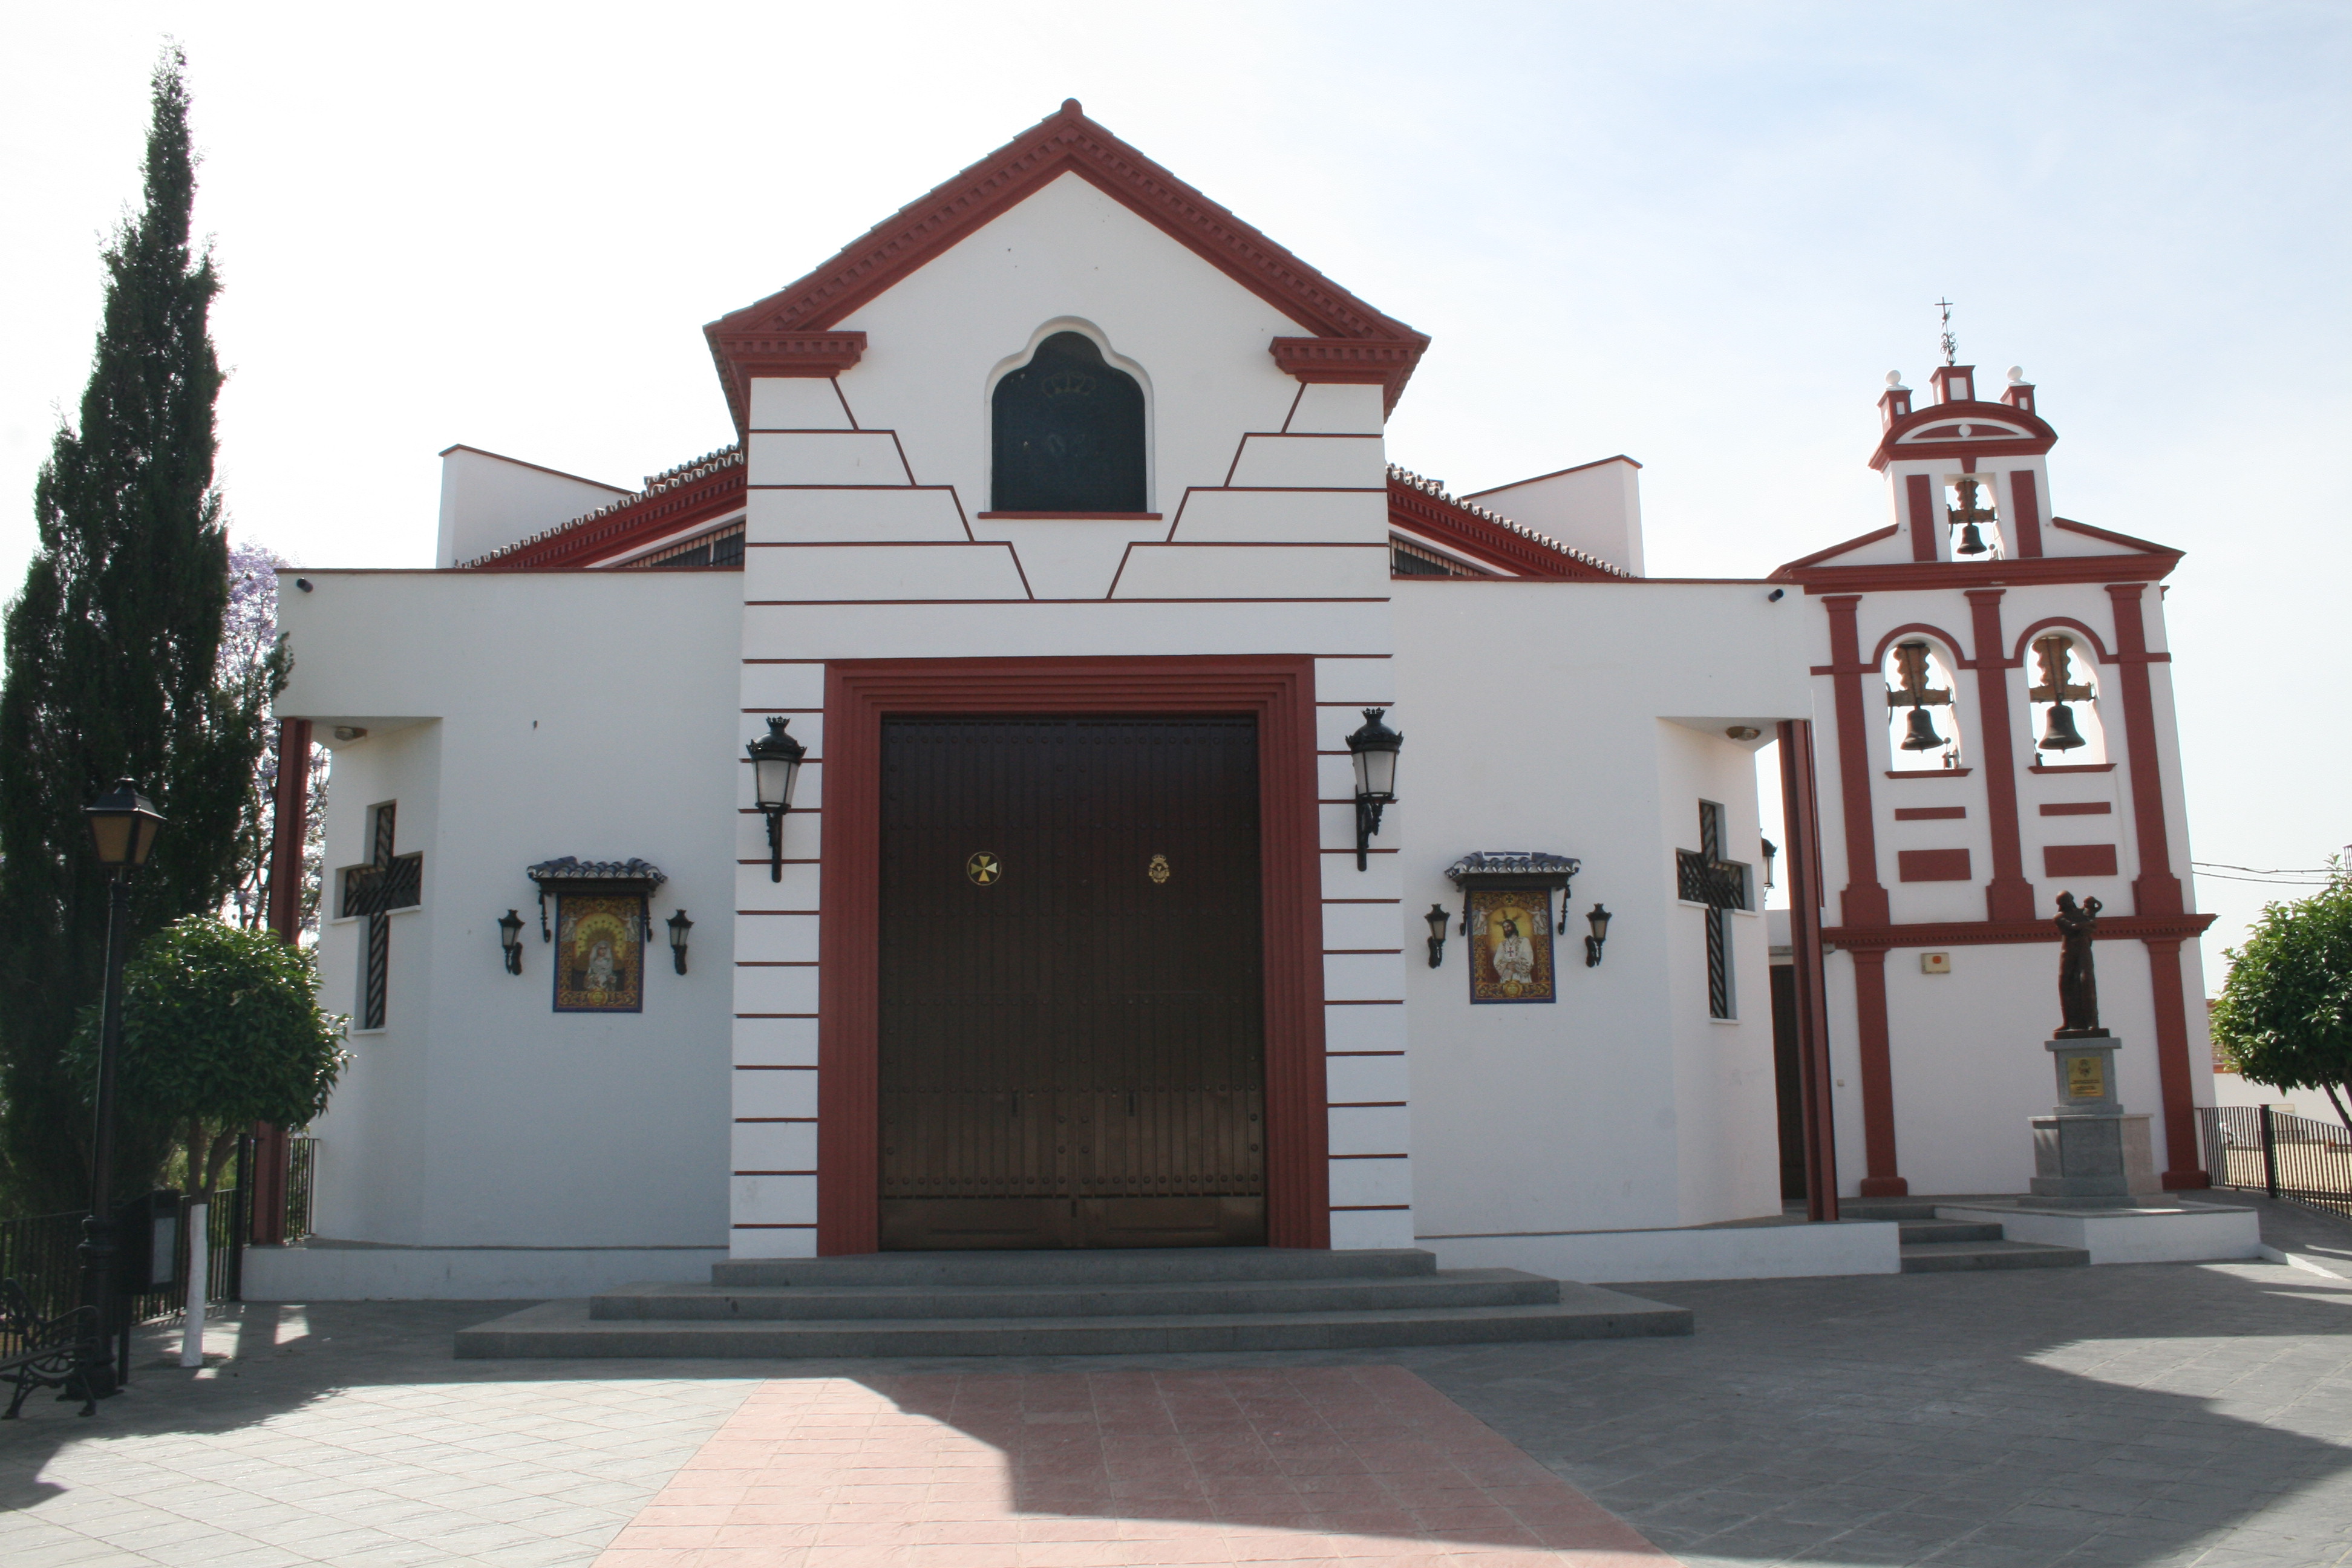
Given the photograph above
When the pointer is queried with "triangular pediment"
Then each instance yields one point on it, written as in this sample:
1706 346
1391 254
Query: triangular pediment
795 323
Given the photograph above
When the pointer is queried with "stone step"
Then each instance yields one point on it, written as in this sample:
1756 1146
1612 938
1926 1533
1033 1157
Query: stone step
1889 1208
1947 1230
1948 1257
564 1329
1100 1266
707 1303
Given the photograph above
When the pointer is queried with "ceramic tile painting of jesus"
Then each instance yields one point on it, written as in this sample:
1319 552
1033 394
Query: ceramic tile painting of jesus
1510 945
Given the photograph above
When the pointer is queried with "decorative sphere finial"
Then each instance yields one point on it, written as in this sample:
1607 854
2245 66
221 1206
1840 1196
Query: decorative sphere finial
1894 379
2017 375
1070 106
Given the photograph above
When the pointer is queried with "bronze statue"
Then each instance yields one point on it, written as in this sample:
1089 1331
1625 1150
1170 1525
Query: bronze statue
2078 982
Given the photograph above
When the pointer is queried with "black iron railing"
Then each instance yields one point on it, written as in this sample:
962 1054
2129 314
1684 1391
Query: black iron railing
2258 1149
42 1252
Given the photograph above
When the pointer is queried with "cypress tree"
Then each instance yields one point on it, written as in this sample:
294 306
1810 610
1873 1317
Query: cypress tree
114 669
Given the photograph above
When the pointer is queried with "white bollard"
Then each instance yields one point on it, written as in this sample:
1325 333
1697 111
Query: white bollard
192 1338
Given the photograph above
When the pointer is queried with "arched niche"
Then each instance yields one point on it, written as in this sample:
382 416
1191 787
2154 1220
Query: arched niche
2062 670
1922 696
1067 433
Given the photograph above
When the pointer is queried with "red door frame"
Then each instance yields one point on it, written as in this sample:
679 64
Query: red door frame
859 693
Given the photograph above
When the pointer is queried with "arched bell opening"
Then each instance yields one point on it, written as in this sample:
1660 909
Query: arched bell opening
1922 707
2064 703
1068 433
1972 514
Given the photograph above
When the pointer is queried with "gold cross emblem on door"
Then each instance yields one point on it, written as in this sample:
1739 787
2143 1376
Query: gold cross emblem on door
982 868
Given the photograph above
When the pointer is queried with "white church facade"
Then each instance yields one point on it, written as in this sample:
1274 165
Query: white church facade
1061 533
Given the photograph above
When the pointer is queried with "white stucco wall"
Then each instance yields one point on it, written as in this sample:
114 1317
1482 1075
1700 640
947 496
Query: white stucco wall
1587 719
516 718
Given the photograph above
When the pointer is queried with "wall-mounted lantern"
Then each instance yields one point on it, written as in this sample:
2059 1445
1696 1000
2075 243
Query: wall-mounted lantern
1771 857
775 773
1373 750
1437 917
1598 919
678 926
511 939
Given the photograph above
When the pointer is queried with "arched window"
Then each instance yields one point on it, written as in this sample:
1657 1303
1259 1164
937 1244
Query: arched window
1069 433
1923 716
2065 697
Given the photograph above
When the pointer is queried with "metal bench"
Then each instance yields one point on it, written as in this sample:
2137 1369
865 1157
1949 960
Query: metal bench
50 1353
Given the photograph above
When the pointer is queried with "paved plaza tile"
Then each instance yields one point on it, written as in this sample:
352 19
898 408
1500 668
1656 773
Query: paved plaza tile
1362 1464
2110 1417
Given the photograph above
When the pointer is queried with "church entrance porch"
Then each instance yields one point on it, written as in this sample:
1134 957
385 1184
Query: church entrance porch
1071 1041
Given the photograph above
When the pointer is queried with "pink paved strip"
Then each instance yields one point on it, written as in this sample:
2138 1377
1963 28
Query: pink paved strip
1364 1466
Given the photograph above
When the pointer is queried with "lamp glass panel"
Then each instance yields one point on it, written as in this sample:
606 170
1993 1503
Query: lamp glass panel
143 837
110 835
775 780
1376 774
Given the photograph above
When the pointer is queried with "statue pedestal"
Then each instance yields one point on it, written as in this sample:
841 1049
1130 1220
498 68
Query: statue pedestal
2090 1154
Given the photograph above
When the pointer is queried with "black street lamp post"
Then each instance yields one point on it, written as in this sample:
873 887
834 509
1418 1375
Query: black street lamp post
775 771
123 830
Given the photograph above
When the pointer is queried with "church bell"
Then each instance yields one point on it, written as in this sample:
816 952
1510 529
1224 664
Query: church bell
1920 735
1973 540
2059 733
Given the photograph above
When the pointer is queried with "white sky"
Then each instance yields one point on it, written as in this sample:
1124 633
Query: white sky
1700 235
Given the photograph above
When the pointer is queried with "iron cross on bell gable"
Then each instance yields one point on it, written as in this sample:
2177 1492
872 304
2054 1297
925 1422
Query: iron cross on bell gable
1968 514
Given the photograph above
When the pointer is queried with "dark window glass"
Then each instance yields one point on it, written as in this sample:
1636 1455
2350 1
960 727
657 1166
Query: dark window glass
1069 433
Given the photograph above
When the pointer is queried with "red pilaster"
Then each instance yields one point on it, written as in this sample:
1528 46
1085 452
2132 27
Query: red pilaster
2156 891
2182 1165
1801 827
1921 498
2008 896
1877 1075
1862 902
2027 511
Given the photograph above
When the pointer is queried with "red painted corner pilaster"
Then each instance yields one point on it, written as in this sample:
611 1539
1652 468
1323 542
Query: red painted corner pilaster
2156 891
1877 1076
2028 509
1920 496
1863 901
2008 896
2182 1167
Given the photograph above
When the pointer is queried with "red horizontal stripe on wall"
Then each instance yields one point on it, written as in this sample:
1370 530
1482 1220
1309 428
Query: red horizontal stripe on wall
2077 808
1929 813
2078 859
1932 865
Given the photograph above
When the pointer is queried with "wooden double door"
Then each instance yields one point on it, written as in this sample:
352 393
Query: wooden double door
1072 979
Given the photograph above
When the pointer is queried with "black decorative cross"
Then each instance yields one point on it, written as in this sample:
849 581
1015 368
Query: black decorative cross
1704 877
385 883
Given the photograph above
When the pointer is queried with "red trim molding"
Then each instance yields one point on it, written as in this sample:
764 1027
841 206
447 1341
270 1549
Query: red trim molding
1280 691
745 357
1486 543
1932 865
1384 363
2182 1166
2008 896
1801 819
1877 1076
1918 434
2026 511
1863 900
1919 501
1063 143
2156 891
1980 934
629 525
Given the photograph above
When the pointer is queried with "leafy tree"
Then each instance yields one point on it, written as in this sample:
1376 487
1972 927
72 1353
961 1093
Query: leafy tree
2284 1014
114 669
221 1028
